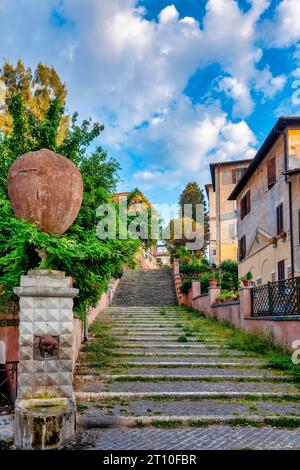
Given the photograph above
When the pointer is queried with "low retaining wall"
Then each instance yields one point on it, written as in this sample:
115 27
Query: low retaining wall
104 302
229 311
283 330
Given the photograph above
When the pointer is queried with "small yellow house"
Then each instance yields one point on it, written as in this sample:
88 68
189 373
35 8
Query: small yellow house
223 243
146 256
268 207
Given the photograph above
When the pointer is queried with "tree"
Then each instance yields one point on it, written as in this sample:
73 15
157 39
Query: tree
192 194
78 252
178 233
37 89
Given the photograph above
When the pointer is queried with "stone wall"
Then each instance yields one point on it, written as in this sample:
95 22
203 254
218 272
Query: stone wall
283 330
9 337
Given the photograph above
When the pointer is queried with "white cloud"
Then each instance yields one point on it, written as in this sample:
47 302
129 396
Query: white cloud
240 93
188 138
296 72
131 73
284 29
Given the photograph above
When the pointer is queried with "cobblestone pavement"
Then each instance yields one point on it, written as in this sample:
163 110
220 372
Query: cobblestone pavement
213 416
207 438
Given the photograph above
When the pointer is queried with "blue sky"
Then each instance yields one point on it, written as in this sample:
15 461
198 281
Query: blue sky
178 84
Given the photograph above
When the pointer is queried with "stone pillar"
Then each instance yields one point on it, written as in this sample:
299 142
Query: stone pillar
213 293
196 288
45 408
245 303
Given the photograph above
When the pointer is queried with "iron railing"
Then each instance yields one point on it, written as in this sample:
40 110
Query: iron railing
277 298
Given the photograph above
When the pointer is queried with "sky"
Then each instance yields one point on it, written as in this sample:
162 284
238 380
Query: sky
178 84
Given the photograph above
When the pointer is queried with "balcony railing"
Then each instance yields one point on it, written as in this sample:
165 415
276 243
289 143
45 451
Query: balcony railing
277 298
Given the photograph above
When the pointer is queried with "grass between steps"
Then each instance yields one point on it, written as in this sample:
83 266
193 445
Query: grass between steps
285 422
104 350
258 343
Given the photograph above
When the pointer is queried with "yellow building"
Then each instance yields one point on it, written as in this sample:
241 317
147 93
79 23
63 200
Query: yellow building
222 212
146 256
268 207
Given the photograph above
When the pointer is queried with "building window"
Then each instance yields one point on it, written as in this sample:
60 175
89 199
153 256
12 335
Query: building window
242 248
271 172
279 211
281 270
237 174
245 205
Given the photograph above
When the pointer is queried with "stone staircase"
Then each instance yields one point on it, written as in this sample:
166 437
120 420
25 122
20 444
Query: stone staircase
145 288
171 390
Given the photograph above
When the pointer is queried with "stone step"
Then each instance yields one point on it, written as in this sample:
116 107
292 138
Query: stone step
189 386
180 353
85 396
148 345
80 378
185 362
155 339
98 420
188 372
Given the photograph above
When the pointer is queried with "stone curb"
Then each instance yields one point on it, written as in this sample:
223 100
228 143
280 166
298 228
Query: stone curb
118 421
224 378
90 396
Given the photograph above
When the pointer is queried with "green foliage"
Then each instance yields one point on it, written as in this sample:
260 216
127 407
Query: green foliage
226 295
145 228
200 270
247 277
36 90
78 252
192 194
185 286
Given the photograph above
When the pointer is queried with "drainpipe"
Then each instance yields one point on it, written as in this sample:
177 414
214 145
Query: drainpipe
290 204
218 218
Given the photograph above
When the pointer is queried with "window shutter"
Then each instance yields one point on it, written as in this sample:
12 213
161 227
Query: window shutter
233 173
248 202
271 171
280 224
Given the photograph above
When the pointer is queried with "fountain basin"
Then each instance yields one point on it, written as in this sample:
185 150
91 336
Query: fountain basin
45 423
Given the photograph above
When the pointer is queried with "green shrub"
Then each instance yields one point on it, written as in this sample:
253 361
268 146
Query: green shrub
78 252
227 294
186 286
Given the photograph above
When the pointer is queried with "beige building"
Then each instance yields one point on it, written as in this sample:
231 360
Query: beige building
222 212
162 255
268 207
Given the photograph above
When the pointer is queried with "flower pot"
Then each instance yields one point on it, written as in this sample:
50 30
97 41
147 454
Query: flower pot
46 188
213 282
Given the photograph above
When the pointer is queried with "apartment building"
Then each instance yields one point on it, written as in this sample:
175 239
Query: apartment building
223 242
268 207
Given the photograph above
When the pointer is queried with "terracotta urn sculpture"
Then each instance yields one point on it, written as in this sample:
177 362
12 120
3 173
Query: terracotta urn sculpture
46 188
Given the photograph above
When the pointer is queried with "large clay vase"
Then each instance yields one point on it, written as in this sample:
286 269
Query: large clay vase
46 188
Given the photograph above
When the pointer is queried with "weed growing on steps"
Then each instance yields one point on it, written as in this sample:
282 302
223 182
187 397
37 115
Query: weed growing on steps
102 351
258 343
182 339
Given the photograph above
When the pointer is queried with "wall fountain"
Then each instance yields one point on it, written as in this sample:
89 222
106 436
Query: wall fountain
45 188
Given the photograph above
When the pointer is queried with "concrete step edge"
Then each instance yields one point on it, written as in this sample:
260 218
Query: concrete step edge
90 396
234 377
131 421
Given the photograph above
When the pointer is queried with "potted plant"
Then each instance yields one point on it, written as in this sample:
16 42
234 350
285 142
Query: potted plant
246 278
213 281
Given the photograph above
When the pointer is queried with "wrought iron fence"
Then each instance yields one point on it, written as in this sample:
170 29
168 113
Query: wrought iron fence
277 298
